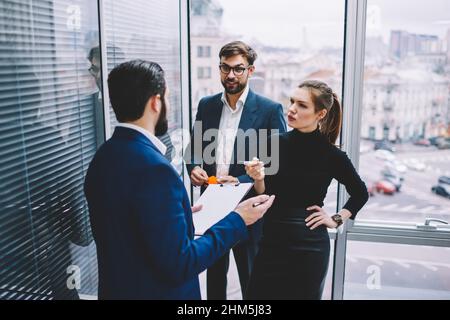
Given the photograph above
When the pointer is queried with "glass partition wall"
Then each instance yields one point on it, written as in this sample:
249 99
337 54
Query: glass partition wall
390 68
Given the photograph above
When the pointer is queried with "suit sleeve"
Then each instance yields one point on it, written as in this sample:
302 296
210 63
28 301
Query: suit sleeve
346 174
192 156
161 224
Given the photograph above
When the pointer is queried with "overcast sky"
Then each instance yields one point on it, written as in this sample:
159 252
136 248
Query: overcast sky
282 22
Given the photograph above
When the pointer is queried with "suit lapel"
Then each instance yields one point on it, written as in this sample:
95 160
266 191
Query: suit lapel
249 113
215 113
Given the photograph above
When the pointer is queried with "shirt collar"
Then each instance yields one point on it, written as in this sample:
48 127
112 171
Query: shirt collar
241 101
158 144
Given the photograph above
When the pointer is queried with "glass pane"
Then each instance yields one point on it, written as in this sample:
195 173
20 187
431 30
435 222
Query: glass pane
131 34
49 110
297 49
393 271
283 63
405 147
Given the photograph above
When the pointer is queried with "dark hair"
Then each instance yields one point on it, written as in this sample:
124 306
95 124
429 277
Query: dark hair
94 53
131 84
238 48
324 98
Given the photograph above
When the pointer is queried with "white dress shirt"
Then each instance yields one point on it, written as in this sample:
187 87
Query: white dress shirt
229 124
158 144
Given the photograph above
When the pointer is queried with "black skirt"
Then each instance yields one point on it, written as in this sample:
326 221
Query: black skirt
292 261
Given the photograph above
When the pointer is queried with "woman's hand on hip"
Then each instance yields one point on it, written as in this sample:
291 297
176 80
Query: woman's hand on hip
318 218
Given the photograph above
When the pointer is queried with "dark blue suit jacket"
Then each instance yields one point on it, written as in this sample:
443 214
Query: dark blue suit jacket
258 113
142 224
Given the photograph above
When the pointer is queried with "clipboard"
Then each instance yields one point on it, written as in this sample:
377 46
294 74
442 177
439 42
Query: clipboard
218 201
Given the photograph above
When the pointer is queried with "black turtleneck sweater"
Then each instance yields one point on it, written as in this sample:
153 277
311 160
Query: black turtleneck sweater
308 163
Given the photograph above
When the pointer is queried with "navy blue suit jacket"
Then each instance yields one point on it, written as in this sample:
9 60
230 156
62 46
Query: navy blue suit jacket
258 113
142 224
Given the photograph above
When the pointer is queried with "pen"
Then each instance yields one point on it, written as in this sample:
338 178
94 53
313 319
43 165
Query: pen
257 204
246 163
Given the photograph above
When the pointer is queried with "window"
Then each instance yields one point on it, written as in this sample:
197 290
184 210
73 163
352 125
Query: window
203 52
383 271
50 110
207 51
297 50
204 72
413 92
398 246
131 34
200 73
282 63
199 51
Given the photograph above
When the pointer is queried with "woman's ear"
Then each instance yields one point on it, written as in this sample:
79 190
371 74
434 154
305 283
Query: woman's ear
322 114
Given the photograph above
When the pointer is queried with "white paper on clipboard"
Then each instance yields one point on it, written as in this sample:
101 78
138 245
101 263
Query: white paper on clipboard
218 201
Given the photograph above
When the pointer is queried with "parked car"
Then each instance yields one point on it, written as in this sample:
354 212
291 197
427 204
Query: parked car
384 145
443 144
384 155
395 179
396 165
434 140
392 172
437 141
422 142
385 187
442 190
444 180
415 164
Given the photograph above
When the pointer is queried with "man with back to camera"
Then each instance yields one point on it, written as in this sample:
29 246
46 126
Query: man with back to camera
95 71
139 209
237 108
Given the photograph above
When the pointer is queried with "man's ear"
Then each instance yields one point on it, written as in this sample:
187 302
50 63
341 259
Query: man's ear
251 70
154 103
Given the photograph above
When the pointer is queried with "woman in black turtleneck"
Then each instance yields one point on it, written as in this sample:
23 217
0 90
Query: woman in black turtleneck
294 252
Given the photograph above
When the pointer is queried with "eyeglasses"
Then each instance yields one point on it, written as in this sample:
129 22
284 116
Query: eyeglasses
238 70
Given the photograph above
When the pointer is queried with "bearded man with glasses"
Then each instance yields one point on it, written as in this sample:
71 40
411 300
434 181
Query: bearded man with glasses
237 107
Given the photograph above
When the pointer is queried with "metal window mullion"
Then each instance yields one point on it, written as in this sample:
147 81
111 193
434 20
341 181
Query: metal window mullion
410 232
354 49
185 83
104 71
399 239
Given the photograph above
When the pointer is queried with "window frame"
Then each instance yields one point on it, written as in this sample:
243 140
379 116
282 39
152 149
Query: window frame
353 90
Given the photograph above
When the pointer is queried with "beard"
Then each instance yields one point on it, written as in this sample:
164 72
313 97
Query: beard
235 88
162 125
